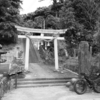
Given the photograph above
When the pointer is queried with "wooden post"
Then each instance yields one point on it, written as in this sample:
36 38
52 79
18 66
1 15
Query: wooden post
27 53
42 34
97 61
56 54
16 76
38 45
91 50
74 52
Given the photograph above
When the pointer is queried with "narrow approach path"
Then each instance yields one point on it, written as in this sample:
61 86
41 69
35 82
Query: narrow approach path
47 71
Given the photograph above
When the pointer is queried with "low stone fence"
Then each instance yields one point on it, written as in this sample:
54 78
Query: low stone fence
7 83
8 77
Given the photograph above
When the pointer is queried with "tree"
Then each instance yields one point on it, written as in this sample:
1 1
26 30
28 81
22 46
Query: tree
80 17
66 14
56 7
53 22
9 12
87 13
44 18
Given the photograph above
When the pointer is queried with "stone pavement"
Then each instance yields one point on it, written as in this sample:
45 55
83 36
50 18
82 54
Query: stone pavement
48 93
47 71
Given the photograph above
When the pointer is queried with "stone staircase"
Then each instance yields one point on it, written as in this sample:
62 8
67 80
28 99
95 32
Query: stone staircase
26 83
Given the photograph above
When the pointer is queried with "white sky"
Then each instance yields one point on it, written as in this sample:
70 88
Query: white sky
31 5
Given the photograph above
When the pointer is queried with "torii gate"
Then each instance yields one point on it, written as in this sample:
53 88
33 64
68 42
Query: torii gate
42 32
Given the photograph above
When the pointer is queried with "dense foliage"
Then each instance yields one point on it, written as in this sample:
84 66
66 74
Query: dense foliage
80 17
9 12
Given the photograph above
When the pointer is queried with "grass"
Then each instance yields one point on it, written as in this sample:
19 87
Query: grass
71 64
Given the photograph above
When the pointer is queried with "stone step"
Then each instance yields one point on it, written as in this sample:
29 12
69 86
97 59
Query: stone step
44 79
40 85
41 82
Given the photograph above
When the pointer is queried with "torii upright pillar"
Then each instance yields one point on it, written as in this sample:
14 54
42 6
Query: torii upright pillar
56 54
27 53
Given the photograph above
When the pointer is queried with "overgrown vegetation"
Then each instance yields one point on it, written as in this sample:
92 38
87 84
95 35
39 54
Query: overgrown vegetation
9 15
